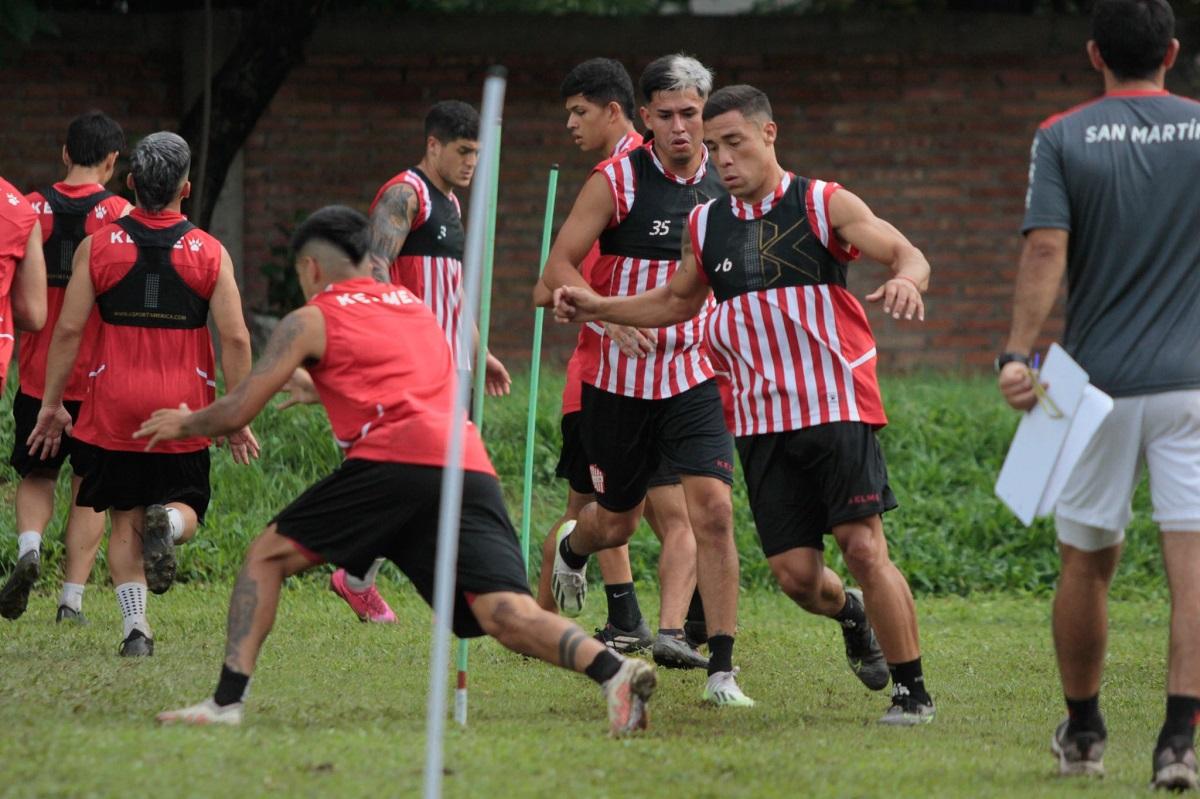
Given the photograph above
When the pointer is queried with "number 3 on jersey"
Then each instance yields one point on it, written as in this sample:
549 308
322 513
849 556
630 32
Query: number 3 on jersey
660 227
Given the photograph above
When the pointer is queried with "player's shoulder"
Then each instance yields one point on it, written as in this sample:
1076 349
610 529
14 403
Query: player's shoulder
617 162
14 204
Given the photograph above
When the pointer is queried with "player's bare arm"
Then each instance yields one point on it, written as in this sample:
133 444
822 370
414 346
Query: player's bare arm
390 224
857 226
1039 275
299 338
29 285
226 308
589 217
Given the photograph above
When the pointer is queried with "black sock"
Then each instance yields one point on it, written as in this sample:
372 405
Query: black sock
1182 712
720 653
569 557
1083 715
695 611
603 667
852 614
231 688
623 610
908 677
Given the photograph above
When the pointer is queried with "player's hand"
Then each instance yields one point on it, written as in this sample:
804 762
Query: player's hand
633 343
243 446
496 382
901 297
1016 384
52 422
300 389
165 424
575 304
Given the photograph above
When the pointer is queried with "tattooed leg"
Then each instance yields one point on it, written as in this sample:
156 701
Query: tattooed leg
516 621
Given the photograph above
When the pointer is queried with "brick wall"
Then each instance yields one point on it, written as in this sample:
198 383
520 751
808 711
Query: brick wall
929 120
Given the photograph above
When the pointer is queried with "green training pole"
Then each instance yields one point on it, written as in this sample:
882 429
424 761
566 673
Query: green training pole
535 363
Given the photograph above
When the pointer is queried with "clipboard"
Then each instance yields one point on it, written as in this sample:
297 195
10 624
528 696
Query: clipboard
1047 446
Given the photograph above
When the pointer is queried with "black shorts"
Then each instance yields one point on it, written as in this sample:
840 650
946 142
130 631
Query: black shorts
126 480
573 464
366 510
805 482
25 411
626 440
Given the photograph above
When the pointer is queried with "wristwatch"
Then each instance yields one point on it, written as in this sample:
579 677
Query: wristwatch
1008 357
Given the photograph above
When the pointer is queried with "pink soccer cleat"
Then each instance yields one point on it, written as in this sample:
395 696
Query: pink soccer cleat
369 605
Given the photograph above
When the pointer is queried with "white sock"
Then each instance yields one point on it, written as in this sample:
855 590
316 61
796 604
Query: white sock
175 520
72 596
131 597
359 586
28 541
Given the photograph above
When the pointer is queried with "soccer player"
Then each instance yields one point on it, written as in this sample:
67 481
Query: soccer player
1110 187
383 371
417 240
640 411
155 278
599 99
773 249
68 211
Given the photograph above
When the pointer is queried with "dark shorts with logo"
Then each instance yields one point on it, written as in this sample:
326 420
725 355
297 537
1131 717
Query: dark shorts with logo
573 463
803 483
25 411
627 440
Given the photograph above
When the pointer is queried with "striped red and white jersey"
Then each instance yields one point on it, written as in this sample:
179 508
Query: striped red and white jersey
795 342
639 251
430 262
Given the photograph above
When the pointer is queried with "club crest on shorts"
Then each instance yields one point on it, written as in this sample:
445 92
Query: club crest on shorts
597 478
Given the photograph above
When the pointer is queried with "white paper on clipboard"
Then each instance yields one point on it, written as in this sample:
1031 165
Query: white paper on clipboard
1045 449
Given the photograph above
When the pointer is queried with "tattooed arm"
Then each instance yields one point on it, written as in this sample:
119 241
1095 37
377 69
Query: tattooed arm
390 224
299 338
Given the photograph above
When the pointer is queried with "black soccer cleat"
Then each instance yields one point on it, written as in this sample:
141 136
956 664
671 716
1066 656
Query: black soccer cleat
137 645
1175 766
158 550
70 615
625 642
14 596
863 652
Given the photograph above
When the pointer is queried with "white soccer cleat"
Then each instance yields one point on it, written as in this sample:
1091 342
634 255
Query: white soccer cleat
627 693
568 585
722 690
202 713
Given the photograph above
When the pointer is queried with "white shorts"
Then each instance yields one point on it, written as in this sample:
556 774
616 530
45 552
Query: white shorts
1161 430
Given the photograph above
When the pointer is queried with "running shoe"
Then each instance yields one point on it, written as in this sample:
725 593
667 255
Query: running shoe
863 652
14 596
201 713
675 653
568 585
1175 765
906 711
369 605
625 642
627 693
137 645
722 690
158 550
1080 753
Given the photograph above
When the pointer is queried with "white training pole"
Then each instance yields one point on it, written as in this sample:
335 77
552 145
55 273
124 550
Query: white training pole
450 508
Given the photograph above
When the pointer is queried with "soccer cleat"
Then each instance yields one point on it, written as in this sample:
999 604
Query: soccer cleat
568 585
1175 765
369 605
14 596
71 615
627 693
863 652
722 690
675 653
137 645
907 711
201 713
158 550
625 641
1081 753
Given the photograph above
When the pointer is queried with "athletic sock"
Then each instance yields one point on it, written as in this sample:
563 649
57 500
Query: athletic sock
175 524
695 611
1083 715
72 596
364 584
852 614
1182 715
28 541
568 555
132 599
231 688
907 678
720 653
604 666
623 610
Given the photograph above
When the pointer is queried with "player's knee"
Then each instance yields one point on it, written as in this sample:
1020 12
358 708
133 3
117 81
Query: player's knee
804 589
506 617
714 516
864 555
618 528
